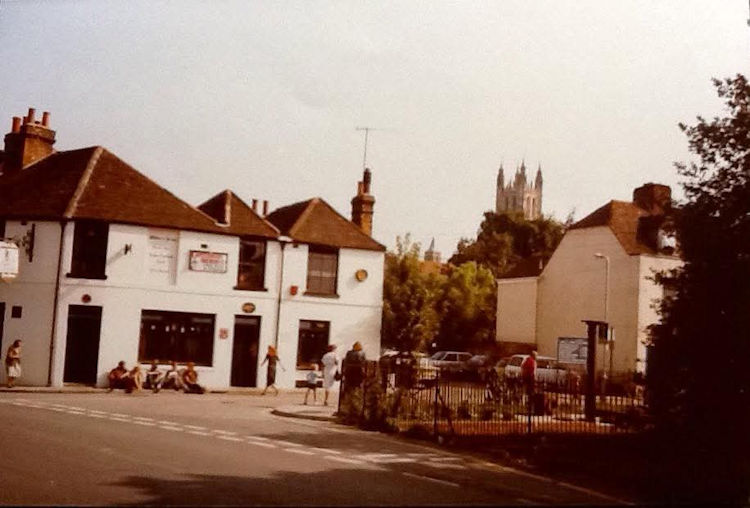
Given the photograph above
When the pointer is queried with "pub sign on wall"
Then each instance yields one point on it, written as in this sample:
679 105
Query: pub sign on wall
213 262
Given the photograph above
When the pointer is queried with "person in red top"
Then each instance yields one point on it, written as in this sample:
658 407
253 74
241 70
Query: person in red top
528 370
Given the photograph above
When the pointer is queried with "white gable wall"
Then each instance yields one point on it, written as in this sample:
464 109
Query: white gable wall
516 310
571 289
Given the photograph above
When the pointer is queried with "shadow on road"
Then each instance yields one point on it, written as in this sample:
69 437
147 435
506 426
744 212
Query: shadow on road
332 487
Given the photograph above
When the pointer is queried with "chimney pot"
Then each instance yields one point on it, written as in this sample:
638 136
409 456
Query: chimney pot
265 207
255 205
16 124
31 115
45 118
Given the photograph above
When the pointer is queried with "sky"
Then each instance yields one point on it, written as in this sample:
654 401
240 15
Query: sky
265 98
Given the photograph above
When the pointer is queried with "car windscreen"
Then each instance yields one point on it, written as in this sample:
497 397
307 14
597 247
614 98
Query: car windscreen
438 356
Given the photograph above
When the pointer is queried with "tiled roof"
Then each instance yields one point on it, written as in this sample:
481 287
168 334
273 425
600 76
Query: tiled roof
92 183
314 221
623 219
236 217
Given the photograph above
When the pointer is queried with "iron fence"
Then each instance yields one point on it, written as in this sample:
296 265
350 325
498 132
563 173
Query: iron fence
458 403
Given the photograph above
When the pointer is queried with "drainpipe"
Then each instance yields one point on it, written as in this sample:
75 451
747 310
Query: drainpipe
54 304
283 240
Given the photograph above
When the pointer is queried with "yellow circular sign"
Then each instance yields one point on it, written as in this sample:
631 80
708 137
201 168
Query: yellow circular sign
360 274
248 307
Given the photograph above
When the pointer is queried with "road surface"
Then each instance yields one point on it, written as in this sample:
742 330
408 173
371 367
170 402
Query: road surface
172 448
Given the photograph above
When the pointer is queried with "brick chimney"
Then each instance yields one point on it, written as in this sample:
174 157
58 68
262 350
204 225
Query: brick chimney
28 141
363 204
654 198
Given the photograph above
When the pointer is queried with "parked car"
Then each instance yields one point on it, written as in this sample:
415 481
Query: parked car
450 360
477 366
548 370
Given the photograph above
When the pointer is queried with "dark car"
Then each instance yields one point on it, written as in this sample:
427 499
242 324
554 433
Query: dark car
477 366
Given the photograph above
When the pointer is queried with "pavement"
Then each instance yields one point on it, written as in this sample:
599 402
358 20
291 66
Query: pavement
288 402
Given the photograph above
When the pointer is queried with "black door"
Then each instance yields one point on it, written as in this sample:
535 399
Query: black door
82 349
245 351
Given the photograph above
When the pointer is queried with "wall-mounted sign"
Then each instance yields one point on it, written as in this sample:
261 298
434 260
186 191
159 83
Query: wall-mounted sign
293 290
86 298
8 259
360 274
214 262
248 307
223 333
572 350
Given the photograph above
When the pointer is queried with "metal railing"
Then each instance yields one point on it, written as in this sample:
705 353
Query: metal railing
459 403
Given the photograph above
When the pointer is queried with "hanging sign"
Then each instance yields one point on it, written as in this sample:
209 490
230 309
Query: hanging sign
213 262
572 350
8 259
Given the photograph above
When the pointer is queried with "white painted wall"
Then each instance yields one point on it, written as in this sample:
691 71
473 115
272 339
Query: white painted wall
131 287
33 290
516 310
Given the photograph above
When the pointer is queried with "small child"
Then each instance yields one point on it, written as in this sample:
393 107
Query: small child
312 383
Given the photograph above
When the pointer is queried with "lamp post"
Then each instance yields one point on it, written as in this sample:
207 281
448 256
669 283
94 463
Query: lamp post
599 255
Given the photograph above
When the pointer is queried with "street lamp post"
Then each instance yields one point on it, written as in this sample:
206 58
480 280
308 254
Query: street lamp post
599 255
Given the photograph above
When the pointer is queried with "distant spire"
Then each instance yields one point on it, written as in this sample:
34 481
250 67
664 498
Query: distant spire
539 175
432 244
500 177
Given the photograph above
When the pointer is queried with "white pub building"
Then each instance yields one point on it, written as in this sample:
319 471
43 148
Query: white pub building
111 266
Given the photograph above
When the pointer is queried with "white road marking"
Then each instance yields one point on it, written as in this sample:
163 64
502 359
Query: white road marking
97 411
326 450
343 459
199 433
229 438
165 422
444 458
94 415
430 479
71 412
385 458
224 432
256 443
143 418
440 465
298 451
147 424
195 427
120 415
120 419
170 427
258 438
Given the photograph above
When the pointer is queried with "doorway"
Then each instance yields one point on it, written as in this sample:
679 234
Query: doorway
245 351
2 320
82 344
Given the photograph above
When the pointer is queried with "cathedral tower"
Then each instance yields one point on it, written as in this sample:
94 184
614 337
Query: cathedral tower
518 195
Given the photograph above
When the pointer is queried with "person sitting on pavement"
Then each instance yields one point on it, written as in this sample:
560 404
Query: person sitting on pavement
172 378
312 383
154 377
190 380
134 381
117 376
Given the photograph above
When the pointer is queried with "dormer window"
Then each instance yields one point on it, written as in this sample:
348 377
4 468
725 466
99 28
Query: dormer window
322 270
252 265
89 250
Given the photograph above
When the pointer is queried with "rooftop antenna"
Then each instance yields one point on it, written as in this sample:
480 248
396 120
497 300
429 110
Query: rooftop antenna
367 133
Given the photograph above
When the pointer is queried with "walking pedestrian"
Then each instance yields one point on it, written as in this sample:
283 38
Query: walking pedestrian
330 369
272 358
312 384
528 372
13 363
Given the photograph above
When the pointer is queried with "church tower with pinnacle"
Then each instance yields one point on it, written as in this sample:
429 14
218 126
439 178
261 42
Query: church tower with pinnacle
518 195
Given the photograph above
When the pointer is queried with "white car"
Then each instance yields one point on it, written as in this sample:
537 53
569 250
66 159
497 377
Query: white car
547 369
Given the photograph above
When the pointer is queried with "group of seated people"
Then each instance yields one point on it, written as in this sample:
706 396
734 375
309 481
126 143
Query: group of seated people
154 379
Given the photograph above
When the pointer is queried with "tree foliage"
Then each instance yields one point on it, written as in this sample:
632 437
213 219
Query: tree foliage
467 308
410 319
699 370
506 238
